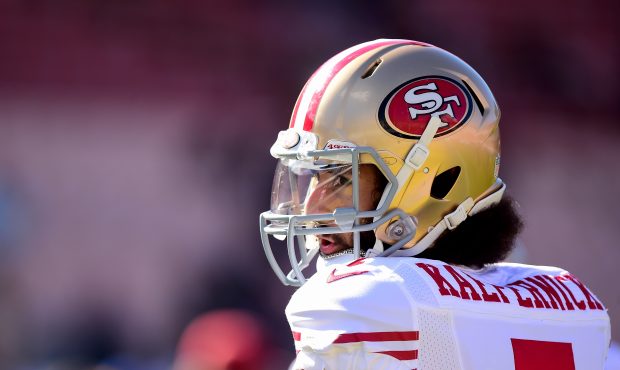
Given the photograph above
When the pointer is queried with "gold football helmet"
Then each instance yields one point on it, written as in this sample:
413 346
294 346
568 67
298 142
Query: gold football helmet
420 114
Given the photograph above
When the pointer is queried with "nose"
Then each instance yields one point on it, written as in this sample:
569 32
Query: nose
314 203
325 198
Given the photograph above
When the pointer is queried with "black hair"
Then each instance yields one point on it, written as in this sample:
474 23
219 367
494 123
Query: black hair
487 237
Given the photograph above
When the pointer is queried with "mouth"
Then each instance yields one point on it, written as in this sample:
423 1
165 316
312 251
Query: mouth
328 245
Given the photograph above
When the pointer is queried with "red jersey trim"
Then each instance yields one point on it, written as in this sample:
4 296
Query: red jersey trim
387 336
382 336
401 355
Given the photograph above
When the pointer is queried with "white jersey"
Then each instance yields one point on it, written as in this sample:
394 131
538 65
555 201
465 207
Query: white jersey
411 313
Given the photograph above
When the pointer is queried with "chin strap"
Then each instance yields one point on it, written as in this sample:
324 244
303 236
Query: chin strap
451 221
413 161
418 153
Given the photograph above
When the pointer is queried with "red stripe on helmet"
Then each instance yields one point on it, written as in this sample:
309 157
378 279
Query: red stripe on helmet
318 93
301 95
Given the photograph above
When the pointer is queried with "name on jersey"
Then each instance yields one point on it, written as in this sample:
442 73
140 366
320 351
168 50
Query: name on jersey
563 292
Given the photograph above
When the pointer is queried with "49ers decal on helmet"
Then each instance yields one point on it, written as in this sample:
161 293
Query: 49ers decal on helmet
406 110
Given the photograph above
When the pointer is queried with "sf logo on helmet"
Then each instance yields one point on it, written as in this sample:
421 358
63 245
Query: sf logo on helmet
405 112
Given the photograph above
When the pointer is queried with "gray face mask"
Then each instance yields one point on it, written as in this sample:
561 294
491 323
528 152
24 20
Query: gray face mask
319 195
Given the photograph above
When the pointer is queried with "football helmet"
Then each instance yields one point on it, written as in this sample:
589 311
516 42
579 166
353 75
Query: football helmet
418 113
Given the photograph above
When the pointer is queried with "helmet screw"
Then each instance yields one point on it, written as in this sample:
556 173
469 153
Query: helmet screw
399 230
425 170
396 230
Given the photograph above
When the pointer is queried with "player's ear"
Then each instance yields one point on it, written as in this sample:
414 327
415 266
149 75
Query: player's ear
376 195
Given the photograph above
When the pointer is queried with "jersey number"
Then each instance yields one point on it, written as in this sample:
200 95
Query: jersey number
541 355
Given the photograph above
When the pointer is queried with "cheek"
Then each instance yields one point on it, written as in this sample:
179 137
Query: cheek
367 201
367 204
344 239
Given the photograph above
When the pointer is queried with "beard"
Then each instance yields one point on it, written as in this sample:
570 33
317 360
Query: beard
367 240
345 240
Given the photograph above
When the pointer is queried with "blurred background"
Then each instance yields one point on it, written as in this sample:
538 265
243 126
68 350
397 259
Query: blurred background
134 158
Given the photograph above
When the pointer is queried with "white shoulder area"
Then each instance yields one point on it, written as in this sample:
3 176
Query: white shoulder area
365 295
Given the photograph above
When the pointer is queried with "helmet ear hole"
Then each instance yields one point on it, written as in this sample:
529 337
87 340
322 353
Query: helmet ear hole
444 182
372 68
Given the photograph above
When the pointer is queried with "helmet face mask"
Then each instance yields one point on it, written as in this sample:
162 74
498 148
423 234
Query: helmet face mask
422 116
291 218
